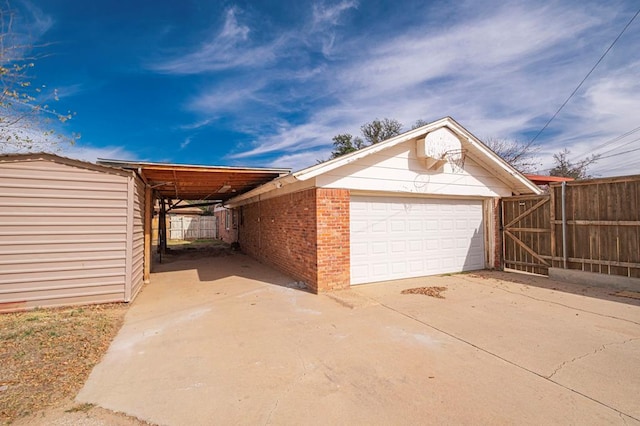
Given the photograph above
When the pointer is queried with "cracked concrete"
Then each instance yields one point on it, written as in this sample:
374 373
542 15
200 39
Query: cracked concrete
600 349
232 343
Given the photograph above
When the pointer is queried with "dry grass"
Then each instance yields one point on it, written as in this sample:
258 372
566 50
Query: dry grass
427 291
46 355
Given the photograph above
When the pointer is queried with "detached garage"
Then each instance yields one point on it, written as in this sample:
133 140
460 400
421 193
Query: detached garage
402 237
71 232
421 203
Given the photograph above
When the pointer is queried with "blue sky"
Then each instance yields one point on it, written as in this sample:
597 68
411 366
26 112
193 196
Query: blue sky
270 83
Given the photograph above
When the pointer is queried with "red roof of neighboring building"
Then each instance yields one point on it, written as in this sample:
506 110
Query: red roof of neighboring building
546 180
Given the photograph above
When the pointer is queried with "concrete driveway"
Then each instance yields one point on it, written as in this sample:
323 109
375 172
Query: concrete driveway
229 341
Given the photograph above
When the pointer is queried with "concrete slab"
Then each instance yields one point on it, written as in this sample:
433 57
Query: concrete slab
227 340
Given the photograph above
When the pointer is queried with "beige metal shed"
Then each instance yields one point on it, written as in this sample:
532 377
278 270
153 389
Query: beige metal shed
71 232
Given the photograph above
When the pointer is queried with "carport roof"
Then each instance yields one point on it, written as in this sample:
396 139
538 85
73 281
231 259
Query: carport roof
196 182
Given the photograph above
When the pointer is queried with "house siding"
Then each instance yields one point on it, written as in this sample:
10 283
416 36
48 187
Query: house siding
63 234
398 169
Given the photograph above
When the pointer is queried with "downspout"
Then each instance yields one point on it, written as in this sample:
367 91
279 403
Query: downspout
564 225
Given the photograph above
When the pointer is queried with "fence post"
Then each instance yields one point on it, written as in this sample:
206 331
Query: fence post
564 225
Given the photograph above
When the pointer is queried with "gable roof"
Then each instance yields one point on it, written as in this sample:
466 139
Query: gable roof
476 150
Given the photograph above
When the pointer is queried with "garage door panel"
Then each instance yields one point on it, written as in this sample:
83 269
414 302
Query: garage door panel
398 247
396 238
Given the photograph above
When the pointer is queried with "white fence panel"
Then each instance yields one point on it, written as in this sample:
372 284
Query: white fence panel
192 227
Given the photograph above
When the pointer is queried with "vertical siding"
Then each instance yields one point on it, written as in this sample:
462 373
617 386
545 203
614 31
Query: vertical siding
62 234
137 238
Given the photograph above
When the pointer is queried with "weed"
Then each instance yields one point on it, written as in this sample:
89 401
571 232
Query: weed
80 407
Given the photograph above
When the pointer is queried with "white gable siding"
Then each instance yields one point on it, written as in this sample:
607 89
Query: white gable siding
399 170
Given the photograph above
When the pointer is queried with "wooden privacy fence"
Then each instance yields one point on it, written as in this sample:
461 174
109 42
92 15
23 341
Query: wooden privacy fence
594 227
192 227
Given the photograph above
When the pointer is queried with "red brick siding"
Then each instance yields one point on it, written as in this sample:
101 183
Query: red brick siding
304 234
227 235
281 232
333 239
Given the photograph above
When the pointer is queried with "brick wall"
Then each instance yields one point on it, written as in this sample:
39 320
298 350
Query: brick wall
227 235
304 234
281 232
333 239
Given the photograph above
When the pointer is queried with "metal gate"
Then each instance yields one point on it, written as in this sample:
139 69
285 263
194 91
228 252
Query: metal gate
526 233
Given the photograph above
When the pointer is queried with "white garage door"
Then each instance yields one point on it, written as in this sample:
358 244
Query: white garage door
393 238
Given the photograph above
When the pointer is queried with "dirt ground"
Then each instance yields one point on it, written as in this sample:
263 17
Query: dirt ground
46 356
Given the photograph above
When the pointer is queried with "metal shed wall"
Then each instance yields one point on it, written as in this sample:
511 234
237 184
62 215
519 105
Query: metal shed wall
136 212
70 233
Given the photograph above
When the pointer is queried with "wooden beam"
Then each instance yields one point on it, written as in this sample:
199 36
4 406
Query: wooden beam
528 211
600 222
604 262
526 248
534 230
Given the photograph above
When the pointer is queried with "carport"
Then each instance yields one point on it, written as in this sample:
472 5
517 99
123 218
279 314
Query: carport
175 184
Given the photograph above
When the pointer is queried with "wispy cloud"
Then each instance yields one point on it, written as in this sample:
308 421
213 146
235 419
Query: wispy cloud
91 154
325 17
37 22
230 48
500 68
185 142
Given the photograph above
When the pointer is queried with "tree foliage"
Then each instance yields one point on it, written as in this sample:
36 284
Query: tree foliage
372 133
520 155
566 168
25 116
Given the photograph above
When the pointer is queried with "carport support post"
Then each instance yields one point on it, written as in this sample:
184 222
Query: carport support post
148 217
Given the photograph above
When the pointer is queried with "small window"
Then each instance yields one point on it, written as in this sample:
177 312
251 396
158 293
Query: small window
227 219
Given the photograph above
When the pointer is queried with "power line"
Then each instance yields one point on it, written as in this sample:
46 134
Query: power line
609 142
620 146
619 153
585 78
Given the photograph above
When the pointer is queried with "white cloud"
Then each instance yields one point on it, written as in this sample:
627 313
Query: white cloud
329 14
38 23
91 154
230 48
293 161
185 142
500 68
225 97
324 18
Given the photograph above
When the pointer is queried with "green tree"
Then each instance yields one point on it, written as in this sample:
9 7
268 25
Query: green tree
566 168
25 116
372 133
345 143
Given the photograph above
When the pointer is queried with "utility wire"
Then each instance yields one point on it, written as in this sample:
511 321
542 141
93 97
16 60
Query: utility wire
620 146
619 153
585 78
609 142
